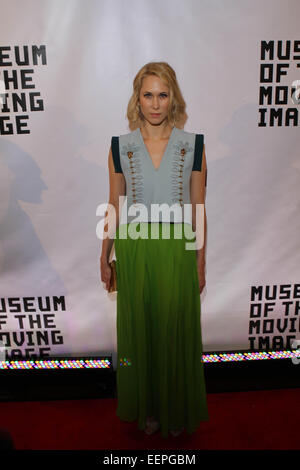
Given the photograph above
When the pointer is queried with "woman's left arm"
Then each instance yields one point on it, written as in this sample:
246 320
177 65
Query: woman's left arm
197 195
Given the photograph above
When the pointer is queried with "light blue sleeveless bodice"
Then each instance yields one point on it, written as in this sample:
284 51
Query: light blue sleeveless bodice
168 184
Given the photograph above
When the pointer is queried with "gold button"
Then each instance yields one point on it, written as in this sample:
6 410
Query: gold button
130 154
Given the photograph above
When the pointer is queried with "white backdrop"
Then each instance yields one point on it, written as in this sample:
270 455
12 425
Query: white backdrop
54 176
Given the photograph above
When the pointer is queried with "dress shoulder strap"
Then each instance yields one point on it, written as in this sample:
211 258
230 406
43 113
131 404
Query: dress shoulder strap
115 149
198 152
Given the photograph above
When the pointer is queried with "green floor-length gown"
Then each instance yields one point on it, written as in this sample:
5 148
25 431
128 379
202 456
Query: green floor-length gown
159 369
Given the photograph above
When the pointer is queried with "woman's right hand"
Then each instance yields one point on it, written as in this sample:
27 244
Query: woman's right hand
105 270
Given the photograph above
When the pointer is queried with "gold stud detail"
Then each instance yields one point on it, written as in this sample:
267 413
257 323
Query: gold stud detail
182 151
130 154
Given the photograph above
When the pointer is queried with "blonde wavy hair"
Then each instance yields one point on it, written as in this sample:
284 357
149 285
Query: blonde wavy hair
176 114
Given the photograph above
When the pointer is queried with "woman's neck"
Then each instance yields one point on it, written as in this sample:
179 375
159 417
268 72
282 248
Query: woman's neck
160 132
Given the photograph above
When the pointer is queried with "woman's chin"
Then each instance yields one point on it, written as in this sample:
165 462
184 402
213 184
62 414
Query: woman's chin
156 121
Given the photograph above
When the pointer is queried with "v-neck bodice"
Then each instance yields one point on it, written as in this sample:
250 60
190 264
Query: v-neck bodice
147 151
147 186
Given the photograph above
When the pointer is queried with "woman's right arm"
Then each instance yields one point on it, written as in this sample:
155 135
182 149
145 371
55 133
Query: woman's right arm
117 187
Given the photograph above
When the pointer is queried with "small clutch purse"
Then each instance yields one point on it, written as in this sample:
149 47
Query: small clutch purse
113 277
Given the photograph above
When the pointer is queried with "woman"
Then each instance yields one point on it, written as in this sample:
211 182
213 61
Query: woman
160 377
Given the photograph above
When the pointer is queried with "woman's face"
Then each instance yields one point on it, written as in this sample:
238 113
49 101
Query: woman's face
154 100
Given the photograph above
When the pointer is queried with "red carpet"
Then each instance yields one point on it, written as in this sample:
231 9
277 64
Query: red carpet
267 419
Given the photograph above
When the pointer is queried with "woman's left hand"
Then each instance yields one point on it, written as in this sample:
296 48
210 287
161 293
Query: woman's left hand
201 276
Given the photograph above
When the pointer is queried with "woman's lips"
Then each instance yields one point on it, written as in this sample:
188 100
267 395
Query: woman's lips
154 114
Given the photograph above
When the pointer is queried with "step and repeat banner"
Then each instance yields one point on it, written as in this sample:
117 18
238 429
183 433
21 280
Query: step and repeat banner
66 73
